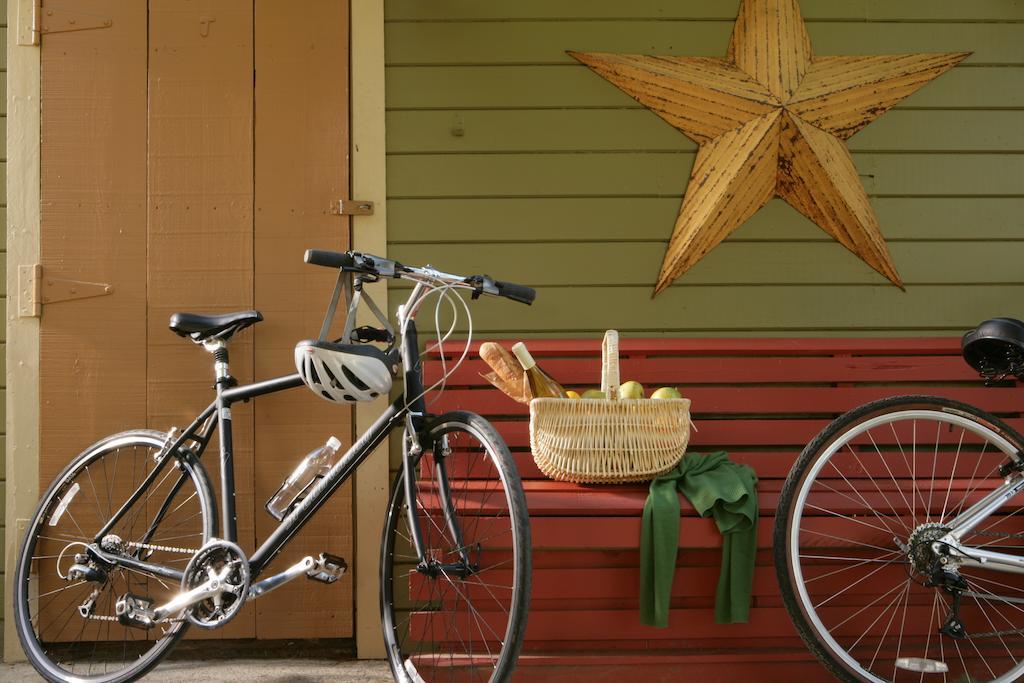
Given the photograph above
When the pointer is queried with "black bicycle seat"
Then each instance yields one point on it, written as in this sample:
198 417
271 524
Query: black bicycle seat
201 327
995 348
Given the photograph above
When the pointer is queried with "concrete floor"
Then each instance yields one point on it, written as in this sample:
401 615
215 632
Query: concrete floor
267 670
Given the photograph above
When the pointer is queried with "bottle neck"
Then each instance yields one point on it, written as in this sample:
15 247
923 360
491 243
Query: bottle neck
523 356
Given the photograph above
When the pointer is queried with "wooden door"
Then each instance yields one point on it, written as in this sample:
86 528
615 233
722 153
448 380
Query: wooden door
190 152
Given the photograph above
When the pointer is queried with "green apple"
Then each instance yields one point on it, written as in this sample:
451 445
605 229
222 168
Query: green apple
667 392
631 389
593 393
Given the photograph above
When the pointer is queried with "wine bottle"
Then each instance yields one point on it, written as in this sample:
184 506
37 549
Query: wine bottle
541 385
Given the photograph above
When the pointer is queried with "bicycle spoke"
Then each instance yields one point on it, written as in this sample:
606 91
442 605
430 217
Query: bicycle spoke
870 604
96 644
455 627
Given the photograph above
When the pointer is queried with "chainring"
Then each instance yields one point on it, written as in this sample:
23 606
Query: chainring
226 562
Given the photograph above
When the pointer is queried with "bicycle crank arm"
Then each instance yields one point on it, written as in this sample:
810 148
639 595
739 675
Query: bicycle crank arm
326 569
211 588
298 569
134 610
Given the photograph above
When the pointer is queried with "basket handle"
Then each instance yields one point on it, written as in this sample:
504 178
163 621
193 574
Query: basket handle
610 365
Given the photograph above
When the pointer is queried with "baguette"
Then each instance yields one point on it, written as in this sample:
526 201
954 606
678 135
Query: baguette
502 362
508 375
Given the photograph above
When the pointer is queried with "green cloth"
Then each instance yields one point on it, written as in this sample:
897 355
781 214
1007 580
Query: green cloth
715 486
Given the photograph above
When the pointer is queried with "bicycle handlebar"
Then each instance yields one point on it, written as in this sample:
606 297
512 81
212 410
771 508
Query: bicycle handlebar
329 259
367 264
520 293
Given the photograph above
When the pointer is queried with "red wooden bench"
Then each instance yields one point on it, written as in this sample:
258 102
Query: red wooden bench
761 400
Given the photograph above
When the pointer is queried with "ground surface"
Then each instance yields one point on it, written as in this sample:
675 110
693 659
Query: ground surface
267 670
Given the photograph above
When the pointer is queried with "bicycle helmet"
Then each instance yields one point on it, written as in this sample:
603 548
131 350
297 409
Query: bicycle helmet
343 373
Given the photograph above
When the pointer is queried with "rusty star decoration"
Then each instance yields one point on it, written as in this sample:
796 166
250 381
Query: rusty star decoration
771 120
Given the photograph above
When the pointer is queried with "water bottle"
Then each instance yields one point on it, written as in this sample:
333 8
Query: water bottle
311 469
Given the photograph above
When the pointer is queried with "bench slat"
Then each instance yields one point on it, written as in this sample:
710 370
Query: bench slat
717 370
758 400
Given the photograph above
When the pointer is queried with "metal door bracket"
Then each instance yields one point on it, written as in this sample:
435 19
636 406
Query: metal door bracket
36 289
353 207
53 20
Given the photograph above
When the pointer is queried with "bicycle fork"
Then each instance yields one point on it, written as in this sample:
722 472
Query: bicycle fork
412 451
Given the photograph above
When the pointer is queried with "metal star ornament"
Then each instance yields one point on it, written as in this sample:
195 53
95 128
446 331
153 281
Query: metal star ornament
771 120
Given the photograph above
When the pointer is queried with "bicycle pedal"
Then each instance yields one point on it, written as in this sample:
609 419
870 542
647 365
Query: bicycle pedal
135 611
328 568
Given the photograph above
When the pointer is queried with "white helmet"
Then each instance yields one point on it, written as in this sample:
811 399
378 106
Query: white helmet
343 373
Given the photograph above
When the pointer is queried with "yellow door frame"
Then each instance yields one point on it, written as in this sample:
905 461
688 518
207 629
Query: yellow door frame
369 233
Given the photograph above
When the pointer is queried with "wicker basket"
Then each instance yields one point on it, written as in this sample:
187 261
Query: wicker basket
599 441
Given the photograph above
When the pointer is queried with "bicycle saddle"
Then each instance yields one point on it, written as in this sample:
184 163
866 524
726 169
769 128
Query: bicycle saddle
995 348
202 327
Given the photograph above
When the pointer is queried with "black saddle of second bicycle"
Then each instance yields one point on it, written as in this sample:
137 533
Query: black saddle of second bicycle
201 327
995 348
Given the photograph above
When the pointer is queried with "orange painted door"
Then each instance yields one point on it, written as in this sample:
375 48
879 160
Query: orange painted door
190 152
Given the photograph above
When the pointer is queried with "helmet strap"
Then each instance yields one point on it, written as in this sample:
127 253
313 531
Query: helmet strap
344 283
352 300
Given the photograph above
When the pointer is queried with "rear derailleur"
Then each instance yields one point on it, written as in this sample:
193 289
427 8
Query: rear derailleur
950 581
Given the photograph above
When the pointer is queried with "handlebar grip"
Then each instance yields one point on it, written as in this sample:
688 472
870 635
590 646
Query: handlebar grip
329 259
520 293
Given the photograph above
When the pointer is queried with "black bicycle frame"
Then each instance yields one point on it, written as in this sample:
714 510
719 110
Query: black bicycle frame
218 414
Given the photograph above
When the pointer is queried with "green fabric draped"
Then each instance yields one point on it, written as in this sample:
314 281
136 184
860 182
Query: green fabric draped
715 486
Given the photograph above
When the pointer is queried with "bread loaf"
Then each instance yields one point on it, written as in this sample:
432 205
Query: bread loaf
502 362
508 375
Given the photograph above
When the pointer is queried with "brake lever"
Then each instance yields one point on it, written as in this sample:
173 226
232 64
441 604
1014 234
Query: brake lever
482 284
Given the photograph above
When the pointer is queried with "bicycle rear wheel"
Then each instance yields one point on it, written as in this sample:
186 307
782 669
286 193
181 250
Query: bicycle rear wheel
854 537
449 618
66 620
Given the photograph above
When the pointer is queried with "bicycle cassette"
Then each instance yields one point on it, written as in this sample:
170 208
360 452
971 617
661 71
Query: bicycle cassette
222 569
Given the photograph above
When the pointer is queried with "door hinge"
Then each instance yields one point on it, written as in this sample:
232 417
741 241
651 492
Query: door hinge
353 207
34 20
36 289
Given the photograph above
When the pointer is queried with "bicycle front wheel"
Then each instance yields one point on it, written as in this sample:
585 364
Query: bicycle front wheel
65 600
855 545
459 614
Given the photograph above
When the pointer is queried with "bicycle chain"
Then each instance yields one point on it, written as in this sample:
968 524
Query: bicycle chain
146 546
165 548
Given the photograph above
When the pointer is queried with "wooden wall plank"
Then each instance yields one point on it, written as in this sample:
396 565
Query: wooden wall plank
551 130
474 43
92 227
200 217
597 264
796 310
813 10
652 174
92 368
301 139
519 86
481 220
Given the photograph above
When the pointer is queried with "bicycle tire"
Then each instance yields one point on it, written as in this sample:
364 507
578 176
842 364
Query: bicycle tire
825 521
193 511
414 603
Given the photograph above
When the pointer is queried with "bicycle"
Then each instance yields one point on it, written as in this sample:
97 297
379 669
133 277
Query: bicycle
899 545
123 553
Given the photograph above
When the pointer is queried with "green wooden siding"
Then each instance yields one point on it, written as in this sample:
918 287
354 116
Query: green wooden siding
507 157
